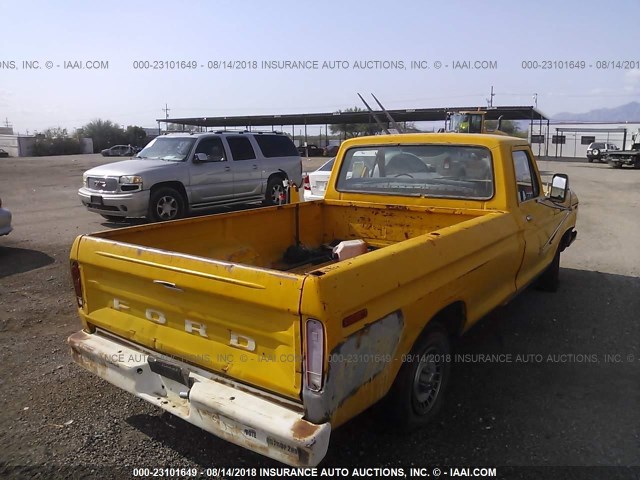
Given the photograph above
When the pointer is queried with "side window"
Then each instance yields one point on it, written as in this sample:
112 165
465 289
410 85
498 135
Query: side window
212 148
241 148
476 124
526 179
276 146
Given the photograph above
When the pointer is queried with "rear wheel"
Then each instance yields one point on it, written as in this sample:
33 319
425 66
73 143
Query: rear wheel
590 159
417 394
166 204
275 189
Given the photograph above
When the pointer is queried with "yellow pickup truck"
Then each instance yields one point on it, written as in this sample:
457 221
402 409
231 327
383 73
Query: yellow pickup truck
270 327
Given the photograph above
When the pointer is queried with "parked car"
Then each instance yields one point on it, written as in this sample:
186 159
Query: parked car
5 220
310 151
315 183
178 172
597 150
3 153
331 150
119 151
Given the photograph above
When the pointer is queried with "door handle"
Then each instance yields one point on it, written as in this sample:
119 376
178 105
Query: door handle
528 218
226 169
255 167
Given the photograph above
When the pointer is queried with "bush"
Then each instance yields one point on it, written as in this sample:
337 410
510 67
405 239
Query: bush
56 141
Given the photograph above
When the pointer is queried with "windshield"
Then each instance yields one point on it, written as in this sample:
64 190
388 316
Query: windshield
167 148
418 170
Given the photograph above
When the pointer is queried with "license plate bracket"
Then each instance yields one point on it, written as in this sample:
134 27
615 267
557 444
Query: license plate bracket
169 370
97 199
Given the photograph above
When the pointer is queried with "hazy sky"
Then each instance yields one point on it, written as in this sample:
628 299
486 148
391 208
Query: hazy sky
119 32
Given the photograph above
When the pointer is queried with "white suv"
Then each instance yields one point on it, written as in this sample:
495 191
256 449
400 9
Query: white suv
596 151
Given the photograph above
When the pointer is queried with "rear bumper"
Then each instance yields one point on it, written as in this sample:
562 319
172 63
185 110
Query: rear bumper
229 412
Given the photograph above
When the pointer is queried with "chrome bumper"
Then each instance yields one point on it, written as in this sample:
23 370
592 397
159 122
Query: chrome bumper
134 204
236 415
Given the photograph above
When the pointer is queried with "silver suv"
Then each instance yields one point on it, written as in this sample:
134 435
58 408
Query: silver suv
178 172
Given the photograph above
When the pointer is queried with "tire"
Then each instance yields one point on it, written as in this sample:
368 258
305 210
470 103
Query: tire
165 204
616 164
113 218
274 188
595 152
417 394
550 278
590 159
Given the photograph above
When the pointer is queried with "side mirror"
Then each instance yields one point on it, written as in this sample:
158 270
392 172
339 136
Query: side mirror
200 157
559 187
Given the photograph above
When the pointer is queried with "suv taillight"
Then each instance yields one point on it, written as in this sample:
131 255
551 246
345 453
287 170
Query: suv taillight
77 282
314 339
306 183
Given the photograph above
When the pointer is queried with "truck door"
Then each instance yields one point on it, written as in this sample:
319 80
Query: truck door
211 179
247 174
538 222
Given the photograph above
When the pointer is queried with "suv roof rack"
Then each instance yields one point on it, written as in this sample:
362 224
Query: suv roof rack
255 132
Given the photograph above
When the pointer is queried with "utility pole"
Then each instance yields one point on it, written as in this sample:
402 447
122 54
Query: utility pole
491 97
166 111
535 99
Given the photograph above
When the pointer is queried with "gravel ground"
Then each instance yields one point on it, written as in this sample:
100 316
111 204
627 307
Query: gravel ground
582 409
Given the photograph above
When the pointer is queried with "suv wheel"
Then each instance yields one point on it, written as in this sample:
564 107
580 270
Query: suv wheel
274 190
166 204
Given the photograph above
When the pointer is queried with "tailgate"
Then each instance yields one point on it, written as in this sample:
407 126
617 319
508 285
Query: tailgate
239 321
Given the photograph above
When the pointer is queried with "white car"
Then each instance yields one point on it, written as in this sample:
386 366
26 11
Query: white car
315 183
5 220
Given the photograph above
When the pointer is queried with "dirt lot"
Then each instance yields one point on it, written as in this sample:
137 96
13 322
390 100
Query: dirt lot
582 409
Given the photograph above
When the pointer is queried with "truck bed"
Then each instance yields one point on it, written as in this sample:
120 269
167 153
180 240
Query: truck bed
206 290
296 238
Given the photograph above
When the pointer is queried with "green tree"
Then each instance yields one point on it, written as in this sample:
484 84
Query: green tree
56 141
135 136
351 130
104 133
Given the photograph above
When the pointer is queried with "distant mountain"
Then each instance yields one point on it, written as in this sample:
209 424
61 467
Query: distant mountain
629 112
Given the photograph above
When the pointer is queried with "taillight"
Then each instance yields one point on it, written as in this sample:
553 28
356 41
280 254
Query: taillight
306 182
314 355
77 282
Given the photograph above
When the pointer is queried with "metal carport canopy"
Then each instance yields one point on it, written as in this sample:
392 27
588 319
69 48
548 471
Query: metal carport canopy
404 115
